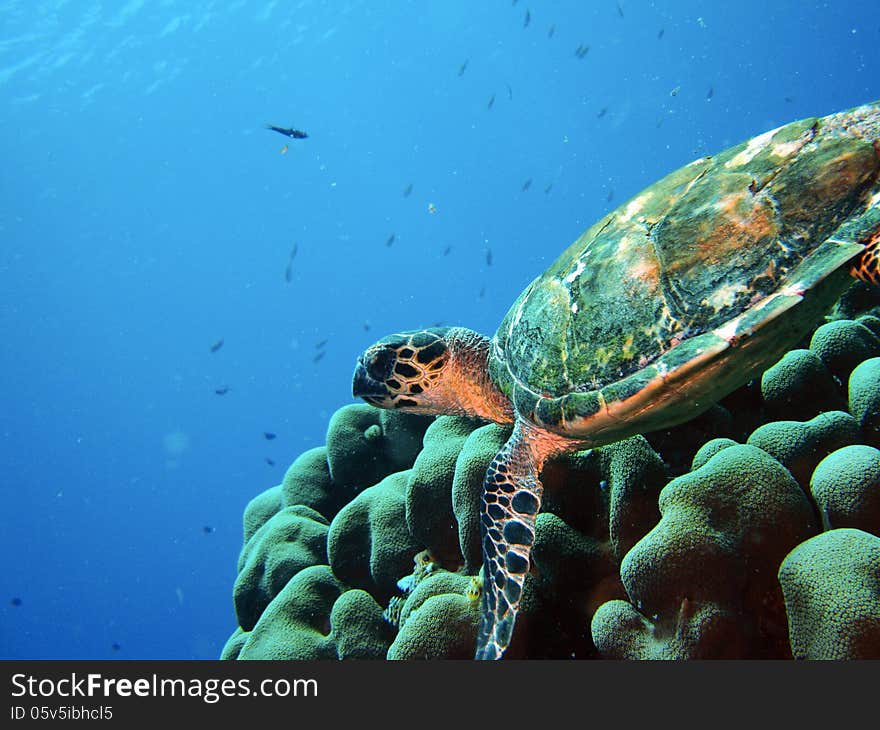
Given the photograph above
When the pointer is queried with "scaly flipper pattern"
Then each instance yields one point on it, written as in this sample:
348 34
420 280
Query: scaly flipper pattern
866 267
511 500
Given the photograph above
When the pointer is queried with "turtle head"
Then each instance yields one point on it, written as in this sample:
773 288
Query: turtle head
404 371
440 370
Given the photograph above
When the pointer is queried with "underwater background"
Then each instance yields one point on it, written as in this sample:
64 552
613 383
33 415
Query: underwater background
183 293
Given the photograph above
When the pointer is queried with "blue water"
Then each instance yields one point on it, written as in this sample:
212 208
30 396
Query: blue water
146 214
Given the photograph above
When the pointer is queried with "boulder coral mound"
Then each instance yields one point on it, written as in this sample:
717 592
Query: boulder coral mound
750 532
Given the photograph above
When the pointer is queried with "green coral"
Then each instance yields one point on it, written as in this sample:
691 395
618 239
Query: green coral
293 539
831 585
369 544
864 398
846 488
799 372
844 344
703 579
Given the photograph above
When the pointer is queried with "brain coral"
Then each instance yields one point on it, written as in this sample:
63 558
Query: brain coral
832 594
703 540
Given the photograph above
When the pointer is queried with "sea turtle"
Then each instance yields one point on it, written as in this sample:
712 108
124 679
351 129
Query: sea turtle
660 309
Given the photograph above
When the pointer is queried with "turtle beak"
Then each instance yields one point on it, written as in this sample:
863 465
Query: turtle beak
364 386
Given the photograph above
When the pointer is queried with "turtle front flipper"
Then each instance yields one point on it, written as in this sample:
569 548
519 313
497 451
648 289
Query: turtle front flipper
511 501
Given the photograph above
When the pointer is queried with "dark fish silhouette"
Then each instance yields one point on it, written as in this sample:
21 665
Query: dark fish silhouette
527 184
390 240
488 257
319 356
320 343
602 112
366 326
269 461
447 250
551 31
207 529
482 292
581 51
217 345
789 99
288 131
660 34
527 19
16 601
619 10
288 272
509 92
115 646
548 188
610 196
268 435
407 190
491 101
222 390
463 67
710 94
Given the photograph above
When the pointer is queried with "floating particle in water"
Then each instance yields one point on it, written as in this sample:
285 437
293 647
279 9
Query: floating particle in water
660 34
548 188
432 208
550 31
407 190
488 257
526 185
463 67
491 102
389 240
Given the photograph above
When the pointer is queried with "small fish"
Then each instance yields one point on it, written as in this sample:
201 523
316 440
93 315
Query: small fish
283 150
16 601
660 34
581 51
509 92
789 99
366 326
319 356
288 273
482 292
488 257
207 529
217 345
390 240
115 646
526 185
407 190
222 390
288 131
269 461
602 112
610 196
491 101
438 323
550 31
619 10
447 250
320 343
675 91
527 19
293 251
432 208
548 188
701 22
268 435
463 67
710 94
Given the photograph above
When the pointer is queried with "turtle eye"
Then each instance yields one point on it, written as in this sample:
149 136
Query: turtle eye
381 363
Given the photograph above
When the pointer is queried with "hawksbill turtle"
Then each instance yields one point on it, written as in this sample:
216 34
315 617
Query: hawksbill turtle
660 309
